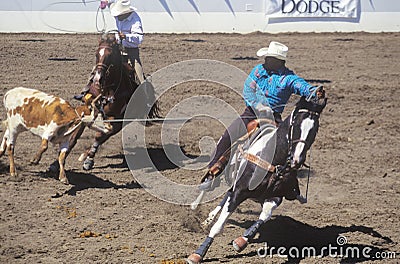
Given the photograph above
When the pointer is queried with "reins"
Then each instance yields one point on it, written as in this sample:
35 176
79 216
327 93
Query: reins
308 176
107 68
291 142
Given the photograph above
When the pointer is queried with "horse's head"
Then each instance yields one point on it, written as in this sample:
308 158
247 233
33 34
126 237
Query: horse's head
304 123
108 60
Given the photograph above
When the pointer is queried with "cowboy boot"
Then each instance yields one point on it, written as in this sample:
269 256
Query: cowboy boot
210 180
85 89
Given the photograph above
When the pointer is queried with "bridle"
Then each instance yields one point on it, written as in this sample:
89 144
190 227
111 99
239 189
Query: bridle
281 170
104 68
292 142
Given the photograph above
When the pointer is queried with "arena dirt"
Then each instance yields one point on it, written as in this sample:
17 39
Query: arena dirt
104 216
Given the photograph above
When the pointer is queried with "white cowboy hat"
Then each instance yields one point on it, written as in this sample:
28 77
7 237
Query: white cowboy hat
275 49
121 7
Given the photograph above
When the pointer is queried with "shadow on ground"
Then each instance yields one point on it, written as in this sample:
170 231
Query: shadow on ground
294 241
82 180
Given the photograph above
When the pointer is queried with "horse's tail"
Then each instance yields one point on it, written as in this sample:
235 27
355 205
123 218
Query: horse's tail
154 111
151 101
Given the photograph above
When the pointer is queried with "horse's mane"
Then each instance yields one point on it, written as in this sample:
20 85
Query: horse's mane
108 38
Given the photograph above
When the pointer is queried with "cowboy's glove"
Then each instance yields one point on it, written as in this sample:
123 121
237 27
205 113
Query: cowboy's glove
316 94
121 35
103 4
320 92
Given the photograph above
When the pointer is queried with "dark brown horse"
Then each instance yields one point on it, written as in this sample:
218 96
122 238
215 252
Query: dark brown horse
112 88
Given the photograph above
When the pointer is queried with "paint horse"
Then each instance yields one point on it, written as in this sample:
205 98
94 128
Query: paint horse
278 180
112 87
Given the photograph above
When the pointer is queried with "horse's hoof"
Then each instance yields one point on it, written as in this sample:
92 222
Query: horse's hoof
88 164
209 185
54 167
194 259
239 244
65 181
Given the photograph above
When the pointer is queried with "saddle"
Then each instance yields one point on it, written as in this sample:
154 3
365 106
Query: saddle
255 129
280 183
131 72
241 147
129 66
221 163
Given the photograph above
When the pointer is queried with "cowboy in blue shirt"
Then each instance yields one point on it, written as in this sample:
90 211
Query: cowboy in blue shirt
266 91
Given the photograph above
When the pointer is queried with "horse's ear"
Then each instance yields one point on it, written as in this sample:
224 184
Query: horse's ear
101 38
314 104
110 38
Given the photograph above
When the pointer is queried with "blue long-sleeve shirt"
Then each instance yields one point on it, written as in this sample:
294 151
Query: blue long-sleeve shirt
273 89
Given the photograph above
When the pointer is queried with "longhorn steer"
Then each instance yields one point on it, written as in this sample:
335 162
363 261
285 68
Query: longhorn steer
47 116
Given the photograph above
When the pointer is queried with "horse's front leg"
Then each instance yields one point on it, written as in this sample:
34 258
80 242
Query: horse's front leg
217 228
216 210
268 206
100 138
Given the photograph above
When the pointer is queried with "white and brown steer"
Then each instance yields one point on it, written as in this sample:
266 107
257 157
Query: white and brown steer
47 116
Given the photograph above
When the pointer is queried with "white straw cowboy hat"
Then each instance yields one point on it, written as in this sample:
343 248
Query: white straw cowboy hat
275 49
121 7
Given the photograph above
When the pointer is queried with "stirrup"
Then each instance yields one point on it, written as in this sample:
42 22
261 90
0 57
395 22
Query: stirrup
84 91
210 183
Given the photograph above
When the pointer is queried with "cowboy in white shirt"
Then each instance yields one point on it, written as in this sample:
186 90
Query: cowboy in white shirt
130 30
130 34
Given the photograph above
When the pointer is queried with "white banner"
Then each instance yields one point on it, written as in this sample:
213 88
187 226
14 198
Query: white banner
313 8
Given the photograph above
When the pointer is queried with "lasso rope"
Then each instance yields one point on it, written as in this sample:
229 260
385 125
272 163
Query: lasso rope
84 2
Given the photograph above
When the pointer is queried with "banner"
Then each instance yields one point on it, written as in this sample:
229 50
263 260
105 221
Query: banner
313 8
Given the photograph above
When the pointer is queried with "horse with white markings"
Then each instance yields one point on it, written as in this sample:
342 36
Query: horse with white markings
267 183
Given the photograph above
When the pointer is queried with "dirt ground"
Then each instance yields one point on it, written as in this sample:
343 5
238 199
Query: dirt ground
104 216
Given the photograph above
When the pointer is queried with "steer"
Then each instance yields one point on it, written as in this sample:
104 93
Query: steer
47 116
